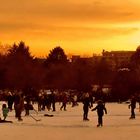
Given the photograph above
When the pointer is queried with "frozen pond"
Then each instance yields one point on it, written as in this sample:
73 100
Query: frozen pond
68 125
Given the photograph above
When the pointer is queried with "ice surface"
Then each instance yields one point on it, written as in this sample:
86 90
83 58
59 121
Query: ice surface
68 125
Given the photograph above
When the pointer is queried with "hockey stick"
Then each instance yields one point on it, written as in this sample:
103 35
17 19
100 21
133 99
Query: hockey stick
35 111
35 118
48 115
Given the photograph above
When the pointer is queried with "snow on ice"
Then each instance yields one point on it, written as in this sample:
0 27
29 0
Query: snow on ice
69 125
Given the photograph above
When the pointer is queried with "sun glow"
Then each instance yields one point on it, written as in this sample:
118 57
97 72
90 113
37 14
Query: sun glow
79 27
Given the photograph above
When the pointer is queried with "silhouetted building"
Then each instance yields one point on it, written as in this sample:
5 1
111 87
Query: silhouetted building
117 59
75 58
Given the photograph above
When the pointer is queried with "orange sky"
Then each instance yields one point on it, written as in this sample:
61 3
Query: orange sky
79 26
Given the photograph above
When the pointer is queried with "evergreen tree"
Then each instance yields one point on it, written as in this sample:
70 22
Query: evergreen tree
56 56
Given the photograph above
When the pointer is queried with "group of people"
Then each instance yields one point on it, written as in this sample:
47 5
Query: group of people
19 106
18 101
100 107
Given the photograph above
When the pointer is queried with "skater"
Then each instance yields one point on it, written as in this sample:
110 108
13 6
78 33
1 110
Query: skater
28 105
53 100
5 111
74 101
86 106
100 111
19 106
132 106
64 102
10 100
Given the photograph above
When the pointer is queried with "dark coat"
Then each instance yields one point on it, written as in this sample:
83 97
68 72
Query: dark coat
86 102
100 109
133 103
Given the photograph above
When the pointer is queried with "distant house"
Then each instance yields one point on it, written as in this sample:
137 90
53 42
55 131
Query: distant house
117 59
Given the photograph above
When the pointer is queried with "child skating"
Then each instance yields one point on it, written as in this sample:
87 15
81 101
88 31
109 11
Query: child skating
5 111
100 112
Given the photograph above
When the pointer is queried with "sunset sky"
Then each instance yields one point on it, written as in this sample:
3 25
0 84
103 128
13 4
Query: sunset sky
79 26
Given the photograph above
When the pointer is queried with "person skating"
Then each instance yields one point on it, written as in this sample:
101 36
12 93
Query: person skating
10 100
86 106
64 102
19 106
53 101
132 106
100 112
5 111
28 105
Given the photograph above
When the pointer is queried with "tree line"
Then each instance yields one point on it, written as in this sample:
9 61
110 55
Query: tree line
20 70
